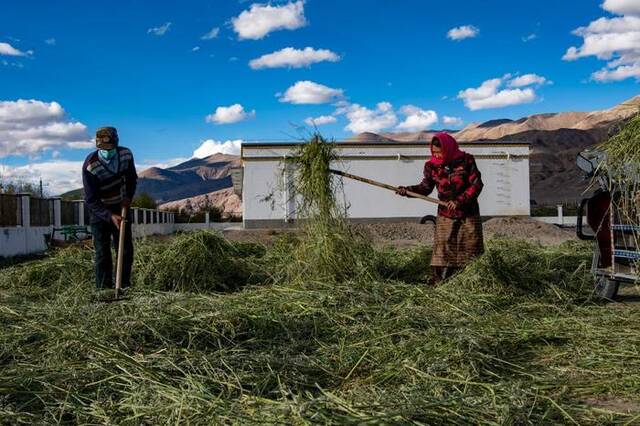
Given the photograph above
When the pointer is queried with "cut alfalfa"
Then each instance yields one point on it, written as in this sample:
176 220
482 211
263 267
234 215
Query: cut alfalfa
351 352
198 261
62 270
509 269
410 265
329 248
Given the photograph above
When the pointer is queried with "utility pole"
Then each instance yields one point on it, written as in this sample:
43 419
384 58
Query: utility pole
41 192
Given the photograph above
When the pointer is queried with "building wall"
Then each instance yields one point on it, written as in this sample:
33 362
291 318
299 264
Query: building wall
18 241
268 197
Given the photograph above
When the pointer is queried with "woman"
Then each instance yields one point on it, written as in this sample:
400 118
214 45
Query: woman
458 237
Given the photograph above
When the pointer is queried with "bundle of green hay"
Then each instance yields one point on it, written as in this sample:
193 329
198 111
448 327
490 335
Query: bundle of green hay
622 164
329 249
515 269
197 262
62 271
623 147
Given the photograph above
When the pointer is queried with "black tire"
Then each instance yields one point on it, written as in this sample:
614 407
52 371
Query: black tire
428 218
606 288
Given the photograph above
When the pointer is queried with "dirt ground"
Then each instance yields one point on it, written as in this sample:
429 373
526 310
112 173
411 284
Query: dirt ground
407 234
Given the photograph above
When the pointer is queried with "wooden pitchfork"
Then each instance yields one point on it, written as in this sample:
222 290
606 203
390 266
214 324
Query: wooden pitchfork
386 186
120 261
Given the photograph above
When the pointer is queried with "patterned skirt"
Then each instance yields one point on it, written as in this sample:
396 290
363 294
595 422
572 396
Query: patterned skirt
457 241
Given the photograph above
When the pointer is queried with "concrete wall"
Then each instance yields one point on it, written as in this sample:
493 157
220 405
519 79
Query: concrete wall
268 196
32 240
21 241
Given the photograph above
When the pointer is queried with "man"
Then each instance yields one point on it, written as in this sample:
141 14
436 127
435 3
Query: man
109 179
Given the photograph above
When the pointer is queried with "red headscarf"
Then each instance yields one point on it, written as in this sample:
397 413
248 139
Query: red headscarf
449 147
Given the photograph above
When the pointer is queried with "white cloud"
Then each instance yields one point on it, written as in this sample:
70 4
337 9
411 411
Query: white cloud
6 63
491 93
261 19
362 119
293 58
164 164
527 80
530 37
615 40
622 7
8 50
213 33
195 48
308 92
210 147
618 74
231 114
161 30
29 127
321 120
452 121
417 119
58 176
50 41
460 33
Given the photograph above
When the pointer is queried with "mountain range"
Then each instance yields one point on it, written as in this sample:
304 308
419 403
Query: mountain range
555 140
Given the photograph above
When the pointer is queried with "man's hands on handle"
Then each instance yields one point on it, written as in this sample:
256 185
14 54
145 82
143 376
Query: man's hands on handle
116 219
402 190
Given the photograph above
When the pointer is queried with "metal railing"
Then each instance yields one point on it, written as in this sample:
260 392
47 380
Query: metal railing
23 210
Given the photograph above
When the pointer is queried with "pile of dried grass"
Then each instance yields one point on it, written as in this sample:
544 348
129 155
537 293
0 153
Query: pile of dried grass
330 249
513 339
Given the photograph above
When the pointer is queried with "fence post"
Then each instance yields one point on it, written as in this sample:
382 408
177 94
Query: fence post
560 215
206 218
144 216
80 204
57 212
24 212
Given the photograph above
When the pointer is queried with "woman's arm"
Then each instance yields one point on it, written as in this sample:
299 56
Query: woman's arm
426 186
474 182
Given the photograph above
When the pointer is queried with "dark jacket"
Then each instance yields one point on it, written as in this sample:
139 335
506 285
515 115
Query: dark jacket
104 190
458 181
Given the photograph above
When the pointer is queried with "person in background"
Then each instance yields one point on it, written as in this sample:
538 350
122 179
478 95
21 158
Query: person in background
109 179
458 237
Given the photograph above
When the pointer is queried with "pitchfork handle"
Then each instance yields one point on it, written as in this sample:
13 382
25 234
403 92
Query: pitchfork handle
387 186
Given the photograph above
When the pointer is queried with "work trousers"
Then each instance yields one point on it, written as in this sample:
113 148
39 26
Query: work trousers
105 235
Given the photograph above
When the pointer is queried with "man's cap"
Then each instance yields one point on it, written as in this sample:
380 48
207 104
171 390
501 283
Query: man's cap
106 138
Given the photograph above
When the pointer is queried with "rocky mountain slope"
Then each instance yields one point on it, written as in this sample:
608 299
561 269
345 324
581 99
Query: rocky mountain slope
556 139
225 200
188 179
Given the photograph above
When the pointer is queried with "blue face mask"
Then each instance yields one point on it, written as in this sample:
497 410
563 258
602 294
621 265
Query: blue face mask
107 154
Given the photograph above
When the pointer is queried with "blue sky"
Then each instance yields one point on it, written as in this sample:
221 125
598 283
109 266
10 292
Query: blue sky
144 67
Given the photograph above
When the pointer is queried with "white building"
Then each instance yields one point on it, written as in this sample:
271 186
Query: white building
268 200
